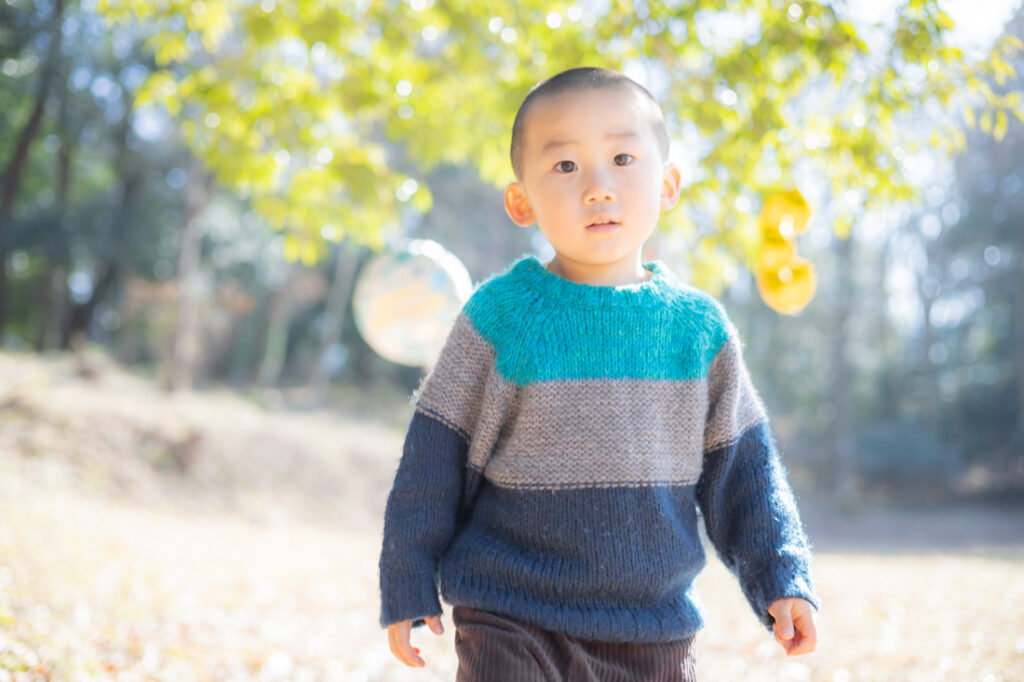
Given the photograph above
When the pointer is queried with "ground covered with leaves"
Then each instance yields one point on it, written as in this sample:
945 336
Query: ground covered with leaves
145 536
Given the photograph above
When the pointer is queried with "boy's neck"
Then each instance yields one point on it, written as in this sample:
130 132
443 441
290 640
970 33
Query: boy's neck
629 271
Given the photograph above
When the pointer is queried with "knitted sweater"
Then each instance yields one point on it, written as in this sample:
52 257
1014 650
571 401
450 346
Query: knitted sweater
558 454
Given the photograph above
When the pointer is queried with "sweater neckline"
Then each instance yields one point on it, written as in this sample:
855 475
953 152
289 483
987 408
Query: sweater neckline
648 293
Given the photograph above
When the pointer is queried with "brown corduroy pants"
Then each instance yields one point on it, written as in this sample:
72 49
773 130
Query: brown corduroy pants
493 648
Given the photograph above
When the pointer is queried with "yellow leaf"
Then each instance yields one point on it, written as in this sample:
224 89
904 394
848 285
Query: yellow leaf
1002 69
775 254
423 200
310 251
969 118
789 289
986 123
214 25
944 21
168 46
155 88
784 215
292 249
1001 124
844 223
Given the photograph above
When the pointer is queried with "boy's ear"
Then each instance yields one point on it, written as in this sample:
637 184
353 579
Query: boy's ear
518 206
670 183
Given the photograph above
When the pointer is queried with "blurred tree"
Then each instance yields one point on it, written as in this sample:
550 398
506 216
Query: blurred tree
331 355
296 104
841 385
90 202
185 351
15 164
98 206
977 307
909 368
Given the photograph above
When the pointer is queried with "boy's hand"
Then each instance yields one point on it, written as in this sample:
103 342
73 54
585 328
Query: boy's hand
794 625
398 638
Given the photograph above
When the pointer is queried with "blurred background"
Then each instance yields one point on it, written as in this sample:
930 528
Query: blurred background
196 441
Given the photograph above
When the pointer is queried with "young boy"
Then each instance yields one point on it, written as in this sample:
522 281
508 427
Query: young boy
579 415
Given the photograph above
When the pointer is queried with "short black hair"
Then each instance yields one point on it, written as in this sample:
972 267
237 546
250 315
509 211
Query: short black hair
580 78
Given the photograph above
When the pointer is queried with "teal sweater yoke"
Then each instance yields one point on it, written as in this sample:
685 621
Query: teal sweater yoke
638 336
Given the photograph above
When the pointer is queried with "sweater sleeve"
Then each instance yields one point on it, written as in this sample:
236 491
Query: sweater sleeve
430 487
748 506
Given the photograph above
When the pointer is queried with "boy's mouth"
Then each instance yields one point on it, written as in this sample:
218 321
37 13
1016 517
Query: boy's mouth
601 223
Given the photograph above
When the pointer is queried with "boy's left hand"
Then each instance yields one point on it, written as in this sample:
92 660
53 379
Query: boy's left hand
794 625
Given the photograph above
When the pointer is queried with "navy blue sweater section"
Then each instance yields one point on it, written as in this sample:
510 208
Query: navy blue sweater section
581 575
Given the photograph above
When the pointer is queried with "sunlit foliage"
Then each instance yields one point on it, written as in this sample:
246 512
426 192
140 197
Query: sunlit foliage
312 108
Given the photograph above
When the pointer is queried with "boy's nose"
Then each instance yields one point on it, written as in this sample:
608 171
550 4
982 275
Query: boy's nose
598 189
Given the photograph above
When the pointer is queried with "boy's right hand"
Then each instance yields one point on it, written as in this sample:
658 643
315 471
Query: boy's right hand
794 626
398 638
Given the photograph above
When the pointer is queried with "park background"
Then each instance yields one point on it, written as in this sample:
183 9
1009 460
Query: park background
196 442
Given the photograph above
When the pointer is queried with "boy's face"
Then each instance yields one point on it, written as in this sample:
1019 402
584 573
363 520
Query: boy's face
593 178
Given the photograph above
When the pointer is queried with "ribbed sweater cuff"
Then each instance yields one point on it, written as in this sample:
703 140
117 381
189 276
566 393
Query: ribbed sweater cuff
408 597
772 585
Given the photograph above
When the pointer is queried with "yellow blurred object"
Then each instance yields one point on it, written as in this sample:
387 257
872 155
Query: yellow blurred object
774 255
785 281
789 288
784 216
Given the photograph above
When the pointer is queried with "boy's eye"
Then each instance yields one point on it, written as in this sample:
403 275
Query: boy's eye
623 159
565 166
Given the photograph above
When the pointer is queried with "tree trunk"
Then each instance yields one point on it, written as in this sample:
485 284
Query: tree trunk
15 168
248 341
80 315
337 305
276 346
186 337
45 304
1018 354
846 487
882 330
53 289
928 288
